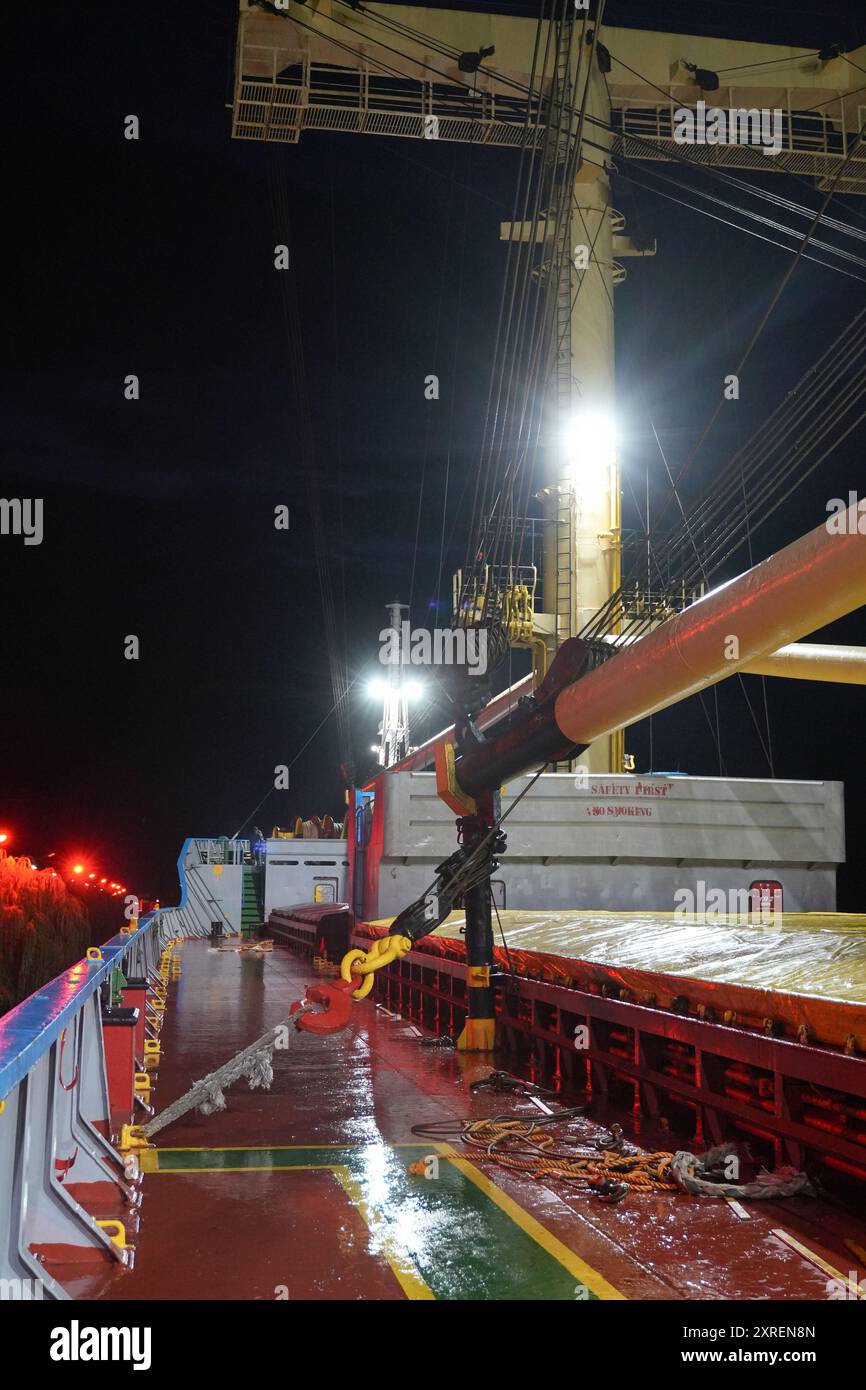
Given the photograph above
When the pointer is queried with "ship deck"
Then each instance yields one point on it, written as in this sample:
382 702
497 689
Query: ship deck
305 1191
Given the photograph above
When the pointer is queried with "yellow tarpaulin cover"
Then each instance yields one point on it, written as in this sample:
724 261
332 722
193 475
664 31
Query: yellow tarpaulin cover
821 954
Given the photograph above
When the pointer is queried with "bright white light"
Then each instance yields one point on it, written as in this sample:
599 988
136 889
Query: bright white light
374 747
410 690
590 443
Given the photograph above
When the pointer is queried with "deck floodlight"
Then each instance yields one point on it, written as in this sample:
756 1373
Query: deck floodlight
590 444
706 79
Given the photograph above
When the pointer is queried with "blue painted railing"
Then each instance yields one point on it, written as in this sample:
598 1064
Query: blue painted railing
30 1029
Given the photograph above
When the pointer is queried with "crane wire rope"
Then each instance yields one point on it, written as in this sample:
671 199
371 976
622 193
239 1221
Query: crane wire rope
753 341
289 301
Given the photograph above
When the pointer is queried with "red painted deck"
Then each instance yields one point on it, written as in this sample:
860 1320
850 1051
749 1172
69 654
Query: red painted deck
303 1192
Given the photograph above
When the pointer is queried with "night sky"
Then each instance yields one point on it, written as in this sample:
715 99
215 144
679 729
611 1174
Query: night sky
155 257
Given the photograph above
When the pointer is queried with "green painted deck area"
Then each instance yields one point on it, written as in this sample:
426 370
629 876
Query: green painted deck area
458 1241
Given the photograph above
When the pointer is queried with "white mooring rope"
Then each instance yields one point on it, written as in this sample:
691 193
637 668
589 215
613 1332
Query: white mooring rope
254 1062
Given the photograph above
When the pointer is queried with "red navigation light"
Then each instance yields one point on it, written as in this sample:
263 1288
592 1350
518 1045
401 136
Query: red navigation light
4 837
78 868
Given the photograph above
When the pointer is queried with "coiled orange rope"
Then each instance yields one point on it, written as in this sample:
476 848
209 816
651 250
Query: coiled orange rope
525 1147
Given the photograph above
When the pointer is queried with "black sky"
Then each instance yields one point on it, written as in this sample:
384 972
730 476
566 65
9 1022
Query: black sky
155 257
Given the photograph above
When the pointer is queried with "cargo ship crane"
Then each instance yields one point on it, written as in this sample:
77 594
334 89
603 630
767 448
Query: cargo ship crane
803 587
643 982
575 95
574 102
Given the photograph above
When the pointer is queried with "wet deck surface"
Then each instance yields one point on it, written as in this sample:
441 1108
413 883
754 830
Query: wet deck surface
304 1191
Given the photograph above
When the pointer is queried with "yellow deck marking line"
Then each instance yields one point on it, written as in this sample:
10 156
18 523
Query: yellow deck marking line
816 1259
142 1154
268 1148
148 1159
738 1209
520 1216
403 1268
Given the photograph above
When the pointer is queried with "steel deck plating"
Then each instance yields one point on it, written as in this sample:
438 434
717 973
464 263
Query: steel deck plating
305 1191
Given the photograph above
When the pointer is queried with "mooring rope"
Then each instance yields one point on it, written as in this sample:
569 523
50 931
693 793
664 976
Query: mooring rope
207 1095
611 1168
525 1146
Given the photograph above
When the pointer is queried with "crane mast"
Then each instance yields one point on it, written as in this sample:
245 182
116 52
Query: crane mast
462 76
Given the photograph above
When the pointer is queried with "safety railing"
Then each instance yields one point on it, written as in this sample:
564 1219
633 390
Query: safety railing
815 143
74 1061
224 851
281 91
